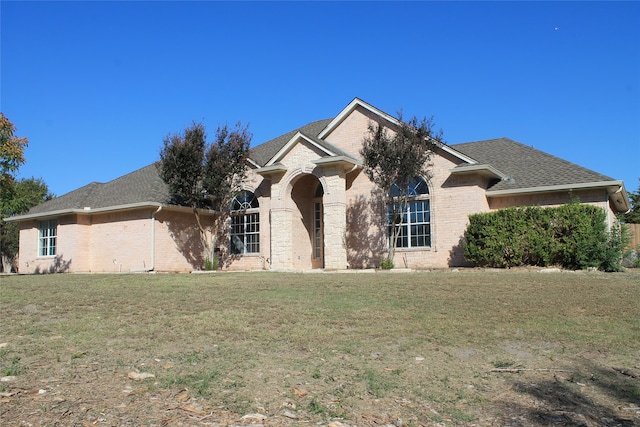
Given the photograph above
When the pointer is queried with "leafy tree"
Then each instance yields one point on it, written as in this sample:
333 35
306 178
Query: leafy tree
26 193
633 216
11 153
11 158
205 175
393 158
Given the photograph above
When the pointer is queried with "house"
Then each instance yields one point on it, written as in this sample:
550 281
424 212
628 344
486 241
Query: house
307 204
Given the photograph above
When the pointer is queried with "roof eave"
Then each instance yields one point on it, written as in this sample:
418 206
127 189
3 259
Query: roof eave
93 211
485 170
615 190
274 169
252 162
341 161
457 154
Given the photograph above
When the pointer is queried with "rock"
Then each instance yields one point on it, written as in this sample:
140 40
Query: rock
139 376
183 396
254 417
550 270
291 415
299 392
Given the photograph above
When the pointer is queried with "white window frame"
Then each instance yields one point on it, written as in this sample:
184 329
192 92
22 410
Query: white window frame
47 238
244 231
416 219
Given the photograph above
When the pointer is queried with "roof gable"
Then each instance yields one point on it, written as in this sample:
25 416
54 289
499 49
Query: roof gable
297 139
348 110
263 153
271 152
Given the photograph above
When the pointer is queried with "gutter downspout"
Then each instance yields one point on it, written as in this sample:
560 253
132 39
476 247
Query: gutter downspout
153 243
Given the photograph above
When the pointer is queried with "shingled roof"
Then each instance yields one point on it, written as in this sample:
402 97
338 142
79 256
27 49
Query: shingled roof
522 169
527 167
139 187
262 153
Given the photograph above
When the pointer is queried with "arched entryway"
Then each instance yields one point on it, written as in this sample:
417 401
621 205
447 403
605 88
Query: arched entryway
307 223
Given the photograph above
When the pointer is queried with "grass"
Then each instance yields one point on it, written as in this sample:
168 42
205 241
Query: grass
418 344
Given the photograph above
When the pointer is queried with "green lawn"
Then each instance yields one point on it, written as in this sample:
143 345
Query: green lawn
421 347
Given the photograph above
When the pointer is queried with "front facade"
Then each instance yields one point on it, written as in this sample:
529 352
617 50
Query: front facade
307 204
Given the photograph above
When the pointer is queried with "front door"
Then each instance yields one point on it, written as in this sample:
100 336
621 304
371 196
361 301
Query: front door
307 224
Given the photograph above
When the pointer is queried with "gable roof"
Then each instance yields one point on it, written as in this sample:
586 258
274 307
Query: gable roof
270 152
514 168
525 166
523 169
143 187
263 153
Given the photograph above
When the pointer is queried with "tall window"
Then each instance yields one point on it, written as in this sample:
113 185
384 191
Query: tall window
317 222
414 228
317 230
245 224
47 234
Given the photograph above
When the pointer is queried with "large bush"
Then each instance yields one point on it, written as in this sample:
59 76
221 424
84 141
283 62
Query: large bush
573 236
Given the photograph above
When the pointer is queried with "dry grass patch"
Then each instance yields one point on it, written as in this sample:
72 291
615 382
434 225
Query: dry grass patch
370 349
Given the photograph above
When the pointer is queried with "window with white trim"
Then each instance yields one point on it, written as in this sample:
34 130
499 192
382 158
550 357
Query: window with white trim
245 224
47 236
414 226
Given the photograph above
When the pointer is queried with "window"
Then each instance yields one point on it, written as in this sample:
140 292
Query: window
317 230
317 222
245 224
414 224
47 238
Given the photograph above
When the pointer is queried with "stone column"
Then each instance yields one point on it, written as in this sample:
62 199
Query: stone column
280 218
281 242
334 204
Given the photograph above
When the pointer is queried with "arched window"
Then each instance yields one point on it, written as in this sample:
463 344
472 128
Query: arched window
245 224
414 224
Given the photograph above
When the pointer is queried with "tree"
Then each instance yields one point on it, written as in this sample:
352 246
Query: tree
11 158
26 193
205 176
633 216
393 158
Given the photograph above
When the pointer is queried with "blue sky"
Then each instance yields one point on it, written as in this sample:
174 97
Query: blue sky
96 86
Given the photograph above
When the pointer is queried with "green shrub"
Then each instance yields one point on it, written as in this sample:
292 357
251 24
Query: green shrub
573 236
617 240
630 258
386 264
210 264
